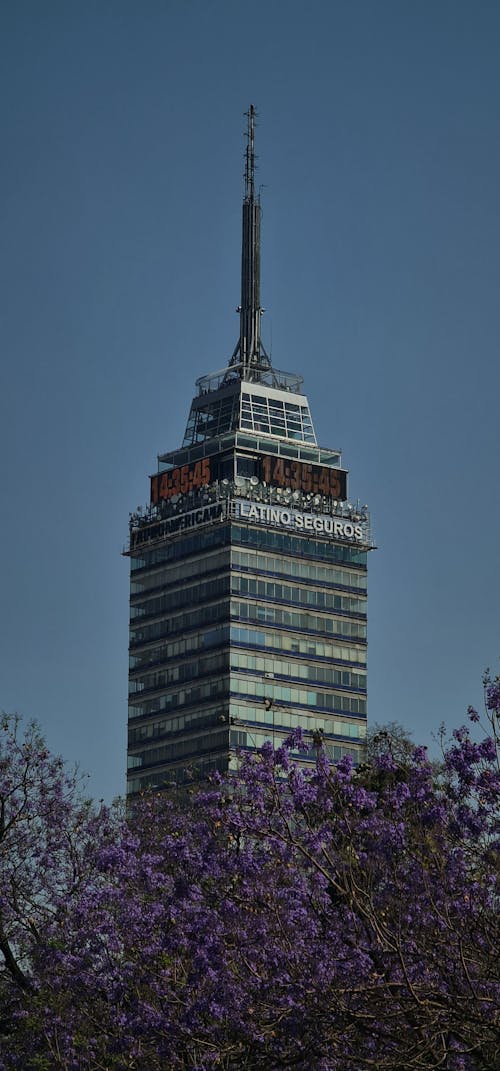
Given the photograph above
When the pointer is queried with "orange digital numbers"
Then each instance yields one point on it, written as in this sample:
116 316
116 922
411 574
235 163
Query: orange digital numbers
300 476
180 481
289 474
205 470
184 479
335 488
197 480
306 478
279 472
266 468
295 474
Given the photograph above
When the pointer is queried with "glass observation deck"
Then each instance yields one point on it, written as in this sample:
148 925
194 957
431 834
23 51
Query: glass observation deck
275 405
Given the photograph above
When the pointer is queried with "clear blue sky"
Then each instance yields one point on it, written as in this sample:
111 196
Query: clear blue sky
120 194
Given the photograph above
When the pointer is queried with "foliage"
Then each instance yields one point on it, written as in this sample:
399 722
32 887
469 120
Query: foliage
391 737
342 920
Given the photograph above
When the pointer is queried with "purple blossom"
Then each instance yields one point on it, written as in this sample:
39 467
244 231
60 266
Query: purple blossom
296 741
493 696
487 749
336 920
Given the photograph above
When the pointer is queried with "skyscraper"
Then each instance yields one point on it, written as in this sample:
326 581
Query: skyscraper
248 571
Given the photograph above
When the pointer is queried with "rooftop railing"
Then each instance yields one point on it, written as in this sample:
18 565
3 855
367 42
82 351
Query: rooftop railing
270 377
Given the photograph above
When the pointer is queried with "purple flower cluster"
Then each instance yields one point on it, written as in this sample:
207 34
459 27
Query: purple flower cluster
493 696
340 920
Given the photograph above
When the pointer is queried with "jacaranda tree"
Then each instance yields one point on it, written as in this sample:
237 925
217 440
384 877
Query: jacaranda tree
339 920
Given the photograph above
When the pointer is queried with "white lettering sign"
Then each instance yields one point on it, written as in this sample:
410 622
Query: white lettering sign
301 522
279 516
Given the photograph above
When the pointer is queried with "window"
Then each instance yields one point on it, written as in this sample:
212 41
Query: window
276 416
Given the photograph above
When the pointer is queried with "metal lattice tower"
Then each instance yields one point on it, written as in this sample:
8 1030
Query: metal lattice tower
249 355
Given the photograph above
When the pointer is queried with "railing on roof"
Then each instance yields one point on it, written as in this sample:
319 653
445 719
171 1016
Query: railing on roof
272 377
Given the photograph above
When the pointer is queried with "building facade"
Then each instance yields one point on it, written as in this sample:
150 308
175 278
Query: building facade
248 572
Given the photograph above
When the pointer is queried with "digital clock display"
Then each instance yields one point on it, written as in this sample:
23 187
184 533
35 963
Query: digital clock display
165 485
299 476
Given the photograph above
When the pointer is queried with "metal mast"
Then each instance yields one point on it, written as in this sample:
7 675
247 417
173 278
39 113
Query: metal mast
249 354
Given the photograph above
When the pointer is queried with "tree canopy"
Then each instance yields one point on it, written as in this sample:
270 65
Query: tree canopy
340 920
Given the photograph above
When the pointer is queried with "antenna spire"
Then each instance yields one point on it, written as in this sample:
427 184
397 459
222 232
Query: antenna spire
249 355
250 156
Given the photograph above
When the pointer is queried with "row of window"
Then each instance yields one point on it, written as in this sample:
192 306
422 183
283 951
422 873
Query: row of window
306 624
241 713
250 560
296 545
193 745
268 446
168 626
247 637
285 720
320 673
275 417
301 622
270 667
175 574
183 596
184 697
170 600
298 569
299 596
208 590
261 538
299 645
195 719
182 547
186 645
276 426
185 671
247 688
283 694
